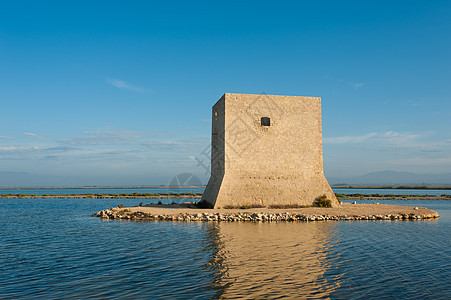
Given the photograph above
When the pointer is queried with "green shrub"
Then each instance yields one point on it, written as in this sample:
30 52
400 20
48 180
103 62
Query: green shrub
322 201
120 205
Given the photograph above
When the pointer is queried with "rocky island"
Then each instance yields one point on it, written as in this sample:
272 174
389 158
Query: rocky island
187 212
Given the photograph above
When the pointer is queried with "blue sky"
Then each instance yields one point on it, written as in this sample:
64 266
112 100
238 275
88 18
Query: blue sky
121 91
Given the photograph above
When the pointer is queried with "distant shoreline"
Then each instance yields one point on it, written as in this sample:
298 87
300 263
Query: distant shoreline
106 196
102 187
344 186
356 196
394 187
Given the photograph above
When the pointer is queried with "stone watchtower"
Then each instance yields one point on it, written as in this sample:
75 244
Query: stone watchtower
266 150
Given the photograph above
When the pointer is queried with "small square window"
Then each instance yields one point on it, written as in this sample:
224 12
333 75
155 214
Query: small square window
266 121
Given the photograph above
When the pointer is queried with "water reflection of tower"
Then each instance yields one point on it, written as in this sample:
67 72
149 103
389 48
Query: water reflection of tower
266 260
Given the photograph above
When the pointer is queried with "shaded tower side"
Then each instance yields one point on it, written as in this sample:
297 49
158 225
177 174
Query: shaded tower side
266 151
217 152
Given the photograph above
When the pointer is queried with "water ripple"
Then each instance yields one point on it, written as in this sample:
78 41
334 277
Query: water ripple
54 249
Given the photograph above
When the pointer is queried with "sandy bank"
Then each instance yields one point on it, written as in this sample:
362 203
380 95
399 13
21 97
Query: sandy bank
346 211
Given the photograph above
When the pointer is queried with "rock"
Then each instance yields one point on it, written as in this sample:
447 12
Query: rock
255 216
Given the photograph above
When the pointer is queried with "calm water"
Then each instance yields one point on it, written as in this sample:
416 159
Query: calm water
55 249
393 191
68 191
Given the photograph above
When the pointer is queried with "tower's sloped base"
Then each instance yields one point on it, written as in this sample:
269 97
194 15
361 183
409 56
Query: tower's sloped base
236 191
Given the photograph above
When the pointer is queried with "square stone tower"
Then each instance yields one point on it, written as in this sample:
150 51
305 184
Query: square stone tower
266 150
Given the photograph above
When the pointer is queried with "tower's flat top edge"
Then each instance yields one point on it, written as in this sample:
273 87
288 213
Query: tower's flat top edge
269 95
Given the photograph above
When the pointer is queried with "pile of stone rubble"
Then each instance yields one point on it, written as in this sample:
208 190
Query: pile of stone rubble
252 216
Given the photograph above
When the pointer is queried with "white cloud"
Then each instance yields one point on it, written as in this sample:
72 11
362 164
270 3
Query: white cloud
62 148
124 85
166 145
33 135
357 85
389 137
8 148
395 144
12 151
104 137
349 139
5 137
405 139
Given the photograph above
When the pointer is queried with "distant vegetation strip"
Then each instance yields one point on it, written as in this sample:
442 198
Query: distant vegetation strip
107 196
394 187
105 187
356 196
337 186
391 197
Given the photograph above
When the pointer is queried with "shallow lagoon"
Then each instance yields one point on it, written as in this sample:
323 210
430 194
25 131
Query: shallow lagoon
55 249
69 191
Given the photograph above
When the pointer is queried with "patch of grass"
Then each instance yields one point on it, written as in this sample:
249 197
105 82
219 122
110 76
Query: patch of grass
322 201
244 206
255 206
120 205
285 206
343 195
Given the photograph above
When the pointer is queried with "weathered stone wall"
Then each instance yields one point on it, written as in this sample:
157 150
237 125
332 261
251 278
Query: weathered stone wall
280 164
217 151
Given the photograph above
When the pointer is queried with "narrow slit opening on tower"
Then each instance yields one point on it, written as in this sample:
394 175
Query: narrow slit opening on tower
266 121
